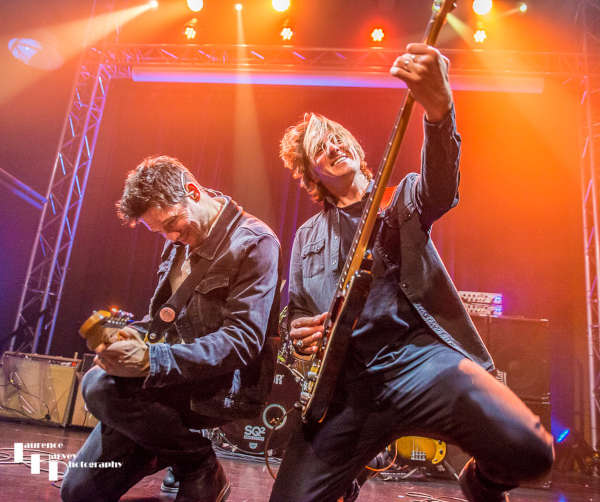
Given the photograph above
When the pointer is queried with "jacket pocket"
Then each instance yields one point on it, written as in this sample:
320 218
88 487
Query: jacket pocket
313 258
207 305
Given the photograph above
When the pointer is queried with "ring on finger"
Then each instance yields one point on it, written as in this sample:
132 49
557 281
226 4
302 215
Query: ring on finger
299 344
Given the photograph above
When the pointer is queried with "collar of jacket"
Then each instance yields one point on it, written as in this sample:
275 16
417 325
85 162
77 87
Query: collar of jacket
225 223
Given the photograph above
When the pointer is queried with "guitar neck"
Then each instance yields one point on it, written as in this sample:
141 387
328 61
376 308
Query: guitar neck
355 280
376 190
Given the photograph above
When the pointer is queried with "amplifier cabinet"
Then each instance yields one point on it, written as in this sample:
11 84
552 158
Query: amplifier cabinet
520 348
81 416
37 387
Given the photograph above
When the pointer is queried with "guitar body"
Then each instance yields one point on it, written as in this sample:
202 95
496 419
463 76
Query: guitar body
421 449
327 365
355 280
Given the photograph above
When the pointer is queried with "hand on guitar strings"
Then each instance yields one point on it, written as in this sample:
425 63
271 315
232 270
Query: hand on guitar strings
126 357
306 333
425 71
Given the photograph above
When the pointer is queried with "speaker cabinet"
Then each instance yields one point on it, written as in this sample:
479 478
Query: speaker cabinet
520 348
38 388
81 416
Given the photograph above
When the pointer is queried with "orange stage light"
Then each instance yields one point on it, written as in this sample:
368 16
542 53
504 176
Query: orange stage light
195 5
287 33
377 35
523 7
281 5
479 36
238 7
190 29
482 7
153 4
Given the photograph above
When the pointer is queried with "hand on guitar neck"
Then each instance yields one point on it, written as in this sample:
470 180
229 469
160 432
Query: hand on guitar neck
113 335
425 71
120 349
125 354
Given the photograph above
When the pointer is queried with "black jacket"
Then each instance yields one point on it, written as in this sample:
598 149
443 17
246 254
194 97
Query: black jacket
418 201
219 341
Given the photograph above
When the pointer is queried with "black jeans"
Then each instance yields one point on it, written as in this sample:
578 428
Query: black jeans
438 393
140 432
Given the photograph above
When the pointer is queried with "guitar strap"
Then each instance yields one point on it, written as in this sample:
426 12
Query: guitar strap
169 311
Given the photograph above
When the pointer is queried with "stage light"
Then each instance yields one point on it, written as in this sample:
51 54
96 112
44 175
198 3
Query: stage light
377 35
195 5
523 7
482 7
287 33
479 36
238 7
190 29
43 55
562 436
153 4
24 48
281 5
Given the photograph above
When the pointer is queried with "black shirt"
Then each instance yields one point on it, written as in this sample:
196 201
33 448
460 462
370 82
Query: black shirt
388 317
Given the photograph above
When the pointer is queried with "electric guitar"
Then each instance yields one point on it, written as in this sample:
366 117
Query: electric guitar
420 449
355 280
103 327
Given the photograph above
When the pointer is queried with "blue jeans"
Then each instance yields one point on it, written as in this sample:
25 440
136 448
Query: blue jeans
437 393
140 432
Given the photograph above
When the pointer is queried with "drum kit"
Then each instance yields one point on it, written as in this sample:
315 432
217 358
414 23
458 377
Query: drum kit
267 434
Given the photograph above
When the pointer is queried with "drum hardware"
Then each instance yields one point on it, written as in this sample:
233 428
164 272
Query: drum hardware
268 433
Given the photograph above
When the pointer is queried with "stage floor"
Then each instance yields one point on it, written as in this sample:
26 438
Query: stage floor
250 480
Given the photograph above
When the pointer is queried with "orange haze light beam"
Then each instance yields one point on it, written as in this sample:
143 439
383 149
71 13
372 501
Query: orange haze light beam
74 37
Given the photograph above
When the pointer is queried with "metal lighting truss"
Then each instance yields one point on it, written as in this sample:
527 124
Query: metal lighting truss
48 265
590 172
126 58
53 243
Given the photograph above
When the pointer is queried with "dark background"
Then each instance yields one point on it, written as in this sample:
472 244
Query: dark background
517 229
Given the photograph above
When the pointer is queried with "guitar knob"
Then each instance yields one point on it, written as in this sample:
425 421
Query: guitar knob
152 337
312 376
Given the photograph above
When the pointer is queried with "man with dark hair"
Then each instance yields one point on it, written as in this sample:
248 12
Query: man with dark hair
215 364
416 364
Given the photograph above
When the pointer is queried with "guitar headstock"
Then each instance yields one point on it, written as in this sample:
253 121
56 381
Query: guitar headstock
443 7
102 323
439 10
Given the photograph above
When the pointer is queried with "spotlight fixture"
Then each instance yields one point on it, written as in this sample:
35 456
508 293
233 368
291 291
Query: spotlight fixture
195 5
238 7
287 33
377 35
153 4
190 30
482 7
479 36
281 5
523 7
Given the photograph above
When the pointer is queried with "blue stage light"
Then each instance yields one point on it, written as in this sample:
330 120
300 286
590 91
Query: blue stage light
562 436
24 49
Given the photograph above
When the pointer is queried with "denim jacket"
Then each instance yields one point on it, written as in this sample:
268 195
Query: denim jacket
417 202
218 343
